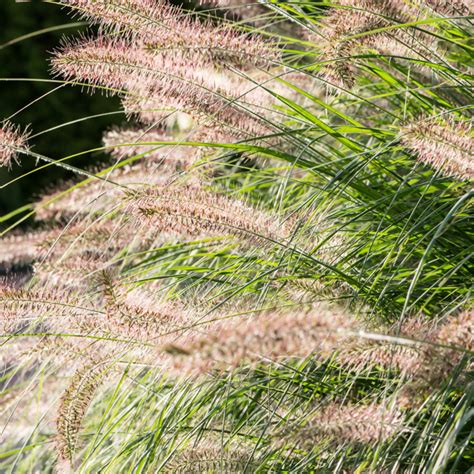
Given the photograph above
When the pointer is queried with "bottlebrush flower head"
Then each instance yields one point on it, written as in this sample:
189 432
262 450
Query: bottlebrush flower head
95 238
162 26
353 423
12 141
113 63
210 457
421 357
407 358
73 274
439 363
16 403
137 315
458 330
21 248
336 49
98 196
451 7
71 257
447 146
367 17
266 336
194 211
166 80
251 11
164 159
21 308
228 3
393 9
258 15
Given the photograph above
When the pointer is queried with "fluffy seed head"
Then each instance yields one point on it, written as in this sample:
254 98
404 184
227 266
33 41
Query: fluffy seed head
420 359
21 248
458 330
166 82
447 146
98 196
249 10
56 308
192 210
209 457
452 7
366 17
269 335
159 25
136 315
350 423
11 142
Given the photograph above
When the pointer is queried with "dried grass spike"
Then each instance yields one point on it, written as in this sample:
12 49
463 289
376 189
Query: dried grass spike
166 82
21 248
73 406
59 308
138 316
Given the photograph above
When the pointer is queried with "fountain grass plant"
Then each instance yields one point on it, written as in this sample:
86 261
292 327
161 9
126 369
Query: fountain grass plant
272 270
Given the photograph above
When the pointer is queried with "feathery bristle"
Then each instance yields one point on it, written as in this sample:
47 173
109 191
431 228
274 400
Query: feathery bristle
12 141
38 395
229 3
336 51
408 359
451 7
251 11
87 236
97 196
458 330
447 146
74 273
420 359
152 110
367 18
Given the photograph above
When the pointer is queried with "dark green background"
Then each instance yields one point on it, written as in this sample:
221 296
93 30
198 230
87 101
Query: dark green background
30 59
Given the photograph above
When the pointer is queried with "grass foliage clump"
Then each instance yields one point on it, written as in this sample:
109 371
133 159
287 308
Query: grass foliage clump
272 270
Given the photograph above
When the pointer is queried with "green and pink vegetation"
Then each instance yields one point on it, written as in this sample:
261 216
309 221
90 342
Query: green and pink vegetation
272 270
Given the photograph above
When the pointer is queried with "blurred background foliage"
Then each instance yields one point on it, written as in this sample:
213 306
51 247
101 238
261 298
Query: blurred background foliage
29 59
